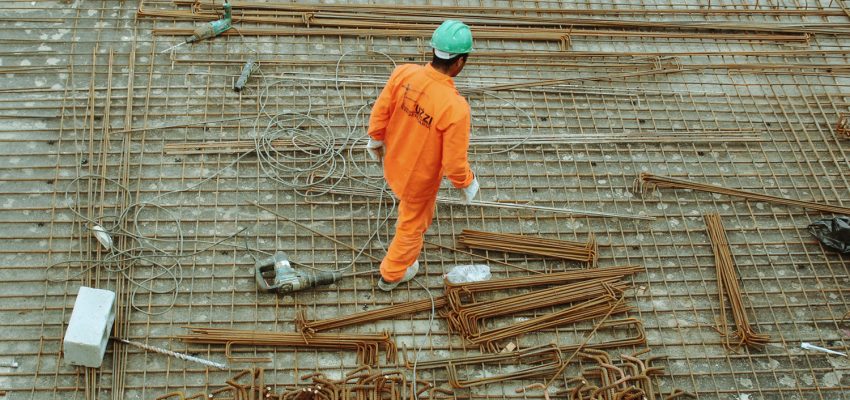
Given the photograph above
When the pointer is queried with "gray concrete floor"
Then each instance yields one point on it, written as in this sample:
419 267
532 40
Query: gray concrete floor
77 76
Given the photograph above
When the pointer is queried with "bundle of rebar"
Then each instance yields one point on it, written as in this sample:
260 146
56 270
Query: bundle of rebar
248 384
535 245
467 321
456 293
630 324
401 309
362 383
368 347
631 378
584 311
527 363
470 11
316 18
589 293
727 285
647 182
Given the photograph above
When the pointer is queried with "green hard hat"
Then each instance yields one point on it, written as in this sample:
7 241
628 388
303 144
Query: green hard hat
452 37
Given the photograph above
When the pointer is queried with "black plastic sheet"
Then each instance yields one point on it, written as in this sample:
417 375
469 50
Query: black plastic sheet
833 233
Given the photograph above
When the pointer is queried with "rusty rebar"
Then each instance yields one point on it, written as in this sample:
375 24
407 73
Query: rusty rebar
468 319
647 182
583 311
593 288
727 285
401 309
368 347
527 244
527 363
456 292
395 23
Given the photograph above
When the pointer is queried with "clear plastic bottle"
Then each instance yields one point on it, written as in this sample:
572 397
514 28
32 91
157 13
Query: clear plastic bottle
469 273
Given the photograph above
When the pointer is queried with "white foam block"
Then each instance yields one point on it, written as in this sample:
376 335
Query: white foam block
89 328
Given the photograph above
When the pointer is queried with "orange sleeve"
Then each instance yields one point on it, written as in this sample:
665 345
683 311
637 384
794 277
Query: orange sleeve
455 148
380 116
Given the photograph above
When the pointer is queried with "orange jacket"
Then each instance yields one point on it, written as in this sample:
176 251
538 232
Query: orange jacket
424 123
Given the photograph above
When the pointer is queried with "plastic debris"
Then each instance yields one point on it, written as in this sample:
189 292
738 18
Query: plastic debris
833 233
102 236
469 273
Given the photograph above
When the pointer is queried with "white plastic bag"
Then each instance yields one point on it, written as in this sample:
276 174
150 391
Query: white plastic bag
469 273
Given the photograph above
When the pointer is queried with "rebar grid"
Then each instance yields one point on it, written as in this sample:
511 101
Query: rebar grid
113 76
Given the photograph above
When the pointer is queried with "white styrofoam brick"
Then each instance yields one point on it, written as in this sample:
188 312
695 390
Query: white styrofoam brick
89 328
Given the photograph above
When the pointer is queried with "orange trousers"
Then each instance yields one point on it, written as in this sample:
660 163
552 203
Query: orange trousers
414 218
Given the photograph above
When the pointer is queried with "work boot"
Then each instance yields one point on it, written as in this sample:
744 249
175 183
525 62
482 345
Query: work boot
408 275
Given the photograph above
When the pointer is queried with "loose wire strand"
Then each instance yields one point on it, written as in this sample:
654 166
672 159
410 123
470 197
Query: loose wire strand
314 144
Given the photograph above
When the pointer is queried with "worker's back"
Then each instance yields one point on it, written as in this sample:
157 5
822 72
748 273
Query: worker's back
420 125
426 131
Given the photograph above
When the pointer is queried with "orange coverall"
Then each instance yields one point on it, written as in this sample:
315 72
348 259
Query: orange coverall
424 124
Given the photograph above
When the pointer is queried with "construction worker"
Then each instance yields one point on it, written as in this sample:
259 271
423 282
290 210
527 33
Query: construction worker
420 127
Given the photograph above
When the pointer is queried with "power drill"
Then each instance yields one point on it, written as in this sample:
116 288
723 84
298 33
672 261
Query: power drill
276 274
209 30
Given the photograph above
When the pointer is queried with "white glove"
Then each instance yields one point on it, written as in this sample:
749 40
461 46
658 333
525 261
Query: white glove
470 191
375 148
